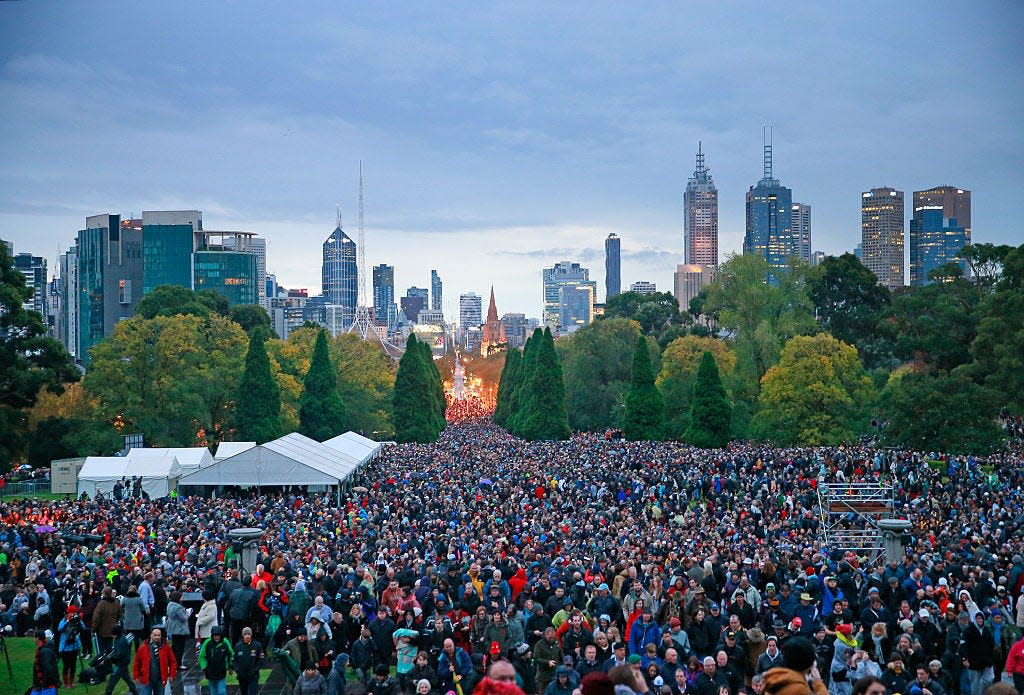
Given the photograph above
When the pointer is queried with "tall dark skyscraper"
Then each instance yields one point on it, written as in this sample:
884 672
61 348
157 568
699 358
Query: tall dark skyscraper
770 218
939 229
383 291
700 217
881 235
340 272
612 267
436 291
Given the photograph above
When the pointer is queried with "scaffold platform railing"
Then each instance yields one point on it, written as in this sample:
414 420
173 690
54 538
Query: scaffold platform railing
850 513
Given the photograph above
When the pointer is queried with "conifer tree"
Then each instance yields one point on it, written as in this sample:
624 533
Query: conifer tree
437 387
414 407
543 411
645 406
520 396
710 412
321 411
506 386
258 406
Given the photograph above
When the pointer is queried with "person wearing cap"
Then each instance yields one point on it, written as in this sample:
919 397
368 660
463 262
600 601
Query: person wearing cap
215 659
771 657
604 603
301 649
809 616
618 657
680 639
310 682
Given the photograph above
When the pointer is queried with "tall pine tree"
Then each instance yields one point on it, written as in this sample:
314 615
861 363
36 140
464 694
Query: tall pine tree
258 406
544 415
506 386
645 406
321 411
520 395
440 404
414 403
710 412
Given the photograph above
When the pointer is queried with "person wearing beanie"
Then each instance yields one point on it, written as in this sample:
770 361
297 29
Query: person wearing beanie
216 657
799 673
310 682
70 643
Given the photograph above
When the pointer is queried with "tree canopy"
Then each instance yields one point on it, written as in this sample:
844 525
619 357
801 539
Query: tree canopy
817 394
321 410
679 366
258 404
710 413
171 300
414 403
645 407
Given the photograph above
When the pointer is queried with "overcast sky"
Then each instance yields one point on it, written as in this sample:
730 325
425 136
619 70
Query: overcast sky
498 138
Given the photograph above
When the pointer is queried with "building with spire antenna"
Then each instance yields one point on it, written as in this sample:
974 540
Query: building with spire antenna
494 332
770 216
700 217
340 272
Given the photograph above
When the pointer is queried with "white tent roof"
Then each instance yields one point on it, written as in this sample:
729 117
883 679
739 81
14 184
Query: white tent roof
189 458
158 468
229 449
322 457
260 466
355 446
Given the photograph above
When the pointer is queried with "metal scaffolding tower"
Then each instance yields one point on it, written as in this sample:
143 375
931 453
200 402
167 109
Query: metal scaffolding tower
851 514
363 323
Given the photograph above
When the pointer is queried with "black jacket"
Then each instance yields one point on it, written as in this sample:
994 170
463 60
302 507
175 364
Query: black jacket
44 671
248 658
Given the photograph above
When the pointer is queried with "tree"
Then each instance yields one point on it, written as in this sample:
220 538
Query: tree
679 365
366 378
517 403
940 412
849 303
506 386
645 407
252 317
763 310
29 360
544 416
321 411
414 407
710 412
655 312
171 300
440 405
258 405
936 324
172 378
596 363
816 395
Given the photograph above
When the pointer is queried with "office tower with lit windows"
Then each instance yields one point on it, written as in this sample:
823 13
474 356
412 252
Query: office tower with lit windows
436 291
769 231
881 235
700 217
939 229
562 273
801 216
383 294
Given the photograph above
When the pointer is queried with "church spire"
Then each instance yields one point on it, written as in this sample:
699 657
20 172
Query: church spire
492 308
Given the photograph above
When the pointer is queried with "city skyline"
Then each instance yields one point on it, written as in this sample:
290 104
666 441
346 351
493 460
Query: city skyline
525 142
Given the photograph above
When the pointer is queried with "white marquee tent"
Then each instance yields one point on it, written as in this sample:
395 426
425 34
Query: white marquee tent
226 450
293 459
356 446
158 468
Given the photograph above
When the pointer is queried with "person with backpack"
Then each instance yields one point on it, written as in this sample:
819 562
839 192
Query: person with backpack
240 609
215 659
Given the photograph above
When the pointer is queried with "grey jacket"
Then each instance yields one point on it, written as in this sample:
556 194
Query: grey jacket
177 621
134 613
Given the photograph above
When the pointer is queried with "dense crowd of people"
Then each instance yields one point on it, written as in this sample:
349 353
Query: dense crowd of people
550 567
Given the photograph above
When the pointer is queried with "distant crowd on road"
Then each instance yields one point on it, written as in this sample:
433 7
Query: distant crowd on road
483 560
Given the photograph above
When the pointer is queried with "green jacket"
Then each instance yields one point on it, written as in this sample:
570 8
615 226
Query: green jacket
215 658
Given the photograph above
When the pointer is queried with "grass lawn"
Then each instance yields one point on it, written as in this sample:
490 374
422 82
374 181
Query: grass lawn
46 496
22 651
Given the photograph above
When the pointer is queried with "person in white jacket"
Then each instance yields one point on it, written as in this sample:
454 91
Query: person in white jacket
206 618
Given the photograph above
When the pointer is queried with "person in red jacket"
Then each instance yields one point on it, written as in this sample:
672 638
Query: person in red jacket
1015 664
155 665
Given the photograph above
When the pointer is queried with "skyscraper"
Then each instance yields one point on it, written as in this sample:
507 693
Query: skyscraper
340 272
514 327
34 270
383 292
167 246
435 291
643 287
109 277
801 215
700 217
414 301
939 229
470 318
562 273
687 282
612 267
575 306
770 218
226 263
67 321
881 235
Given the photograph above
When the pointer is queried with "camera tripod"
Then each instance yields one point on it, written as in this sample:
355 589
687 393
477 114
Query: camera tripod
7 656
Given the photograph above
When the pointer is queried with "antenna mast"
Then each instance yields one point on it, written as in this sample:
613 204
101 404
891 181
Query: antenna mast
766 132
361 249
